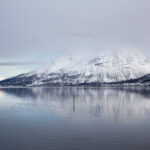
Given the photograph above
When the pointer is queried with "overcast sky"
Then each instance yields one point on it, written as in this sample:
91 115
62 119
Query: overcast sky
33 31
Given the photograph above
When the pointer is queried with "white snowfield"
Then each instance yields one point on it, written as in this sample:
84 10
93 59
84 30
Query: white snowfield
107 67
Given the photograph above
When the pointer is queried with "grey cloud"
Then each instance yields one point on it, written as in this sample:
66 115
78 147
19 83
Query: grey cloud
33 28
79 34
18 63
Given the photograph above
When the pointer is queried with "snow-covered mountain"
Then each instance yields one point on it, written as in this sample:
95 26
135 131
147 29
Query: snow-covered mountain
85 69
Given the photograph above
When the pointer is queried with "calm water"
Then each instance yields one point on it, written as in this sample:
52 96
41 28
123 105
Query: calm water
74 119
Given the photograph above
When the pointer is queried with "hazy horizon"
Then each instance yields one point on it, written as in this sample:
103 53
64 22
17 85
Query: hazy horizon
34 32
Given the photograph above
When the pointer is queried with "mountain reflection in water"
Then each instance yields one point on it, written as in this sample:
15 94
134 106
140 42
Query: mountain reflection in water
79 104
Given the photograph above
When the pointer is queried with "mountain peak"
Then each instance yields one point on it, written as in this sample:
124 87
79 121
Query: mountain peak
118 65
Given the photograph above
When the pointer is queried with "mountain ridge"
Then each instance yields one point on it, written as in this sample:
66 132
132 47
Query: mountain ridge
107 68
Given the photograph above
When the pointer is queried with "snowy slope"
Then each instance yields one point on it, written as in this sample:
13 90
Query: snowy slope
77 69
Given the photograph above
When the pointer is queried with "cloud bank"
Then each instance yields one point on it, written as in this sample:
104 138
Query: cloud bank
35 29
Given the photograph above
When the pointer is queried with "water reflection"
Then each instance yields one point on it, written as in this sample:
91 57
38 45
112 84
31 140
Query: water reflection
1 94
74 104
115 105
